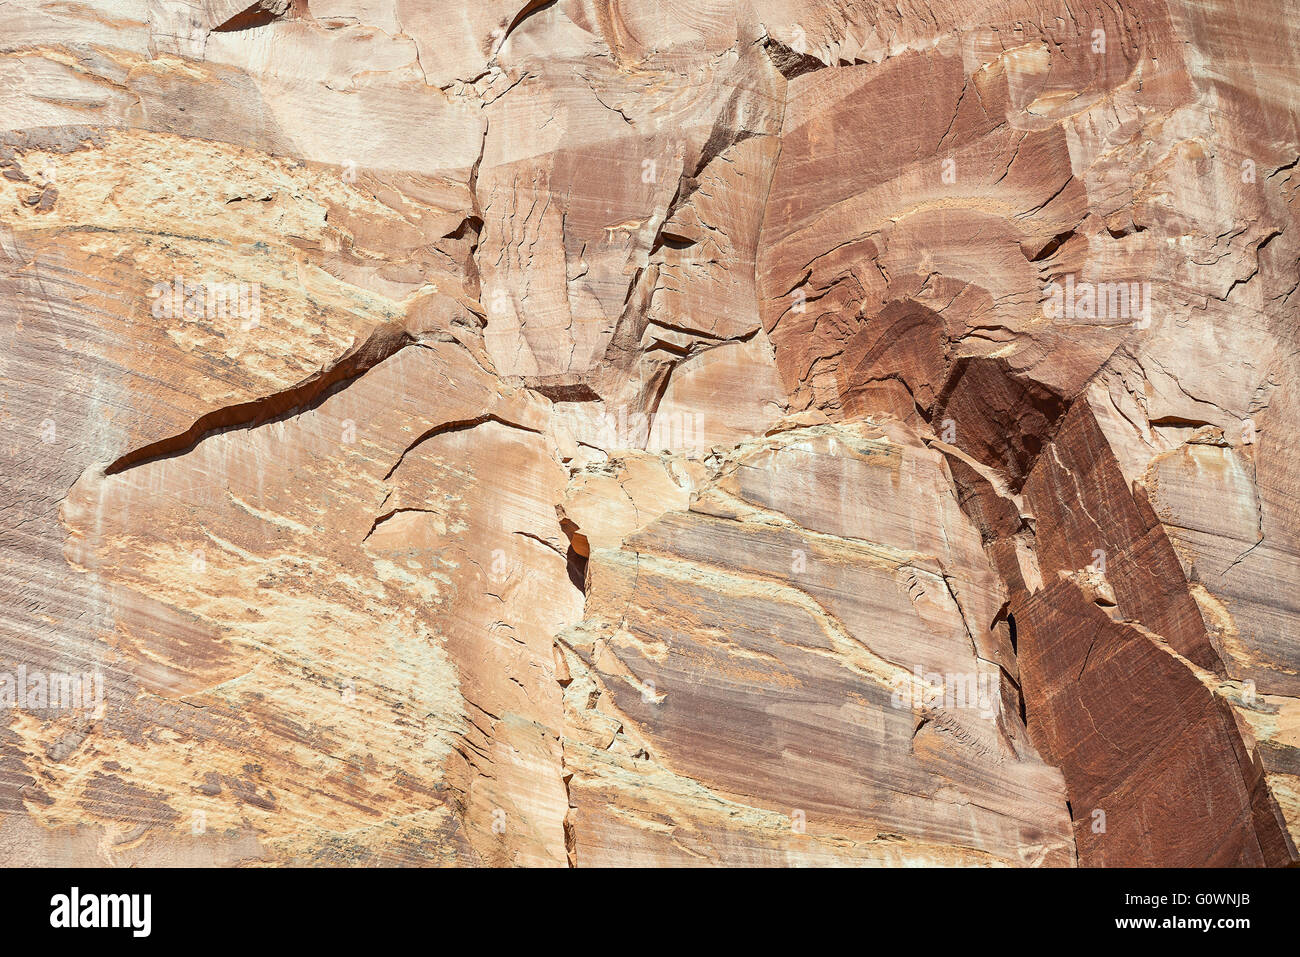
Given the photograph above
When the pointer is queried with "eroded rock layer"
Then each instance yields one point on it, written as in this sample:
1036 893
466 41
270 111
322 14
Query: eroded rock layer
758 432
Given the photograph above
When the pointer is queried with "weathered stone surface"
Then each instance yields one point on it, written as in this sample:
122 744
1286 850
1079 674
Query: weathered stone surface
777 688
584 433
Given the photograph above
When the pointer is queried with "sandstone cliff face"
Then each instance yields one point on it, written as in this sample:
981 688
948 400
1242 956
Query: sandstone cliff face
596 433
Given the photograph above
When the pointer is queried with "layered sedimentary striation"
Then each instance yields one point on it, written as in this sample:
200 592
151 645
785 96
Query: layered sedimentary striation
597 433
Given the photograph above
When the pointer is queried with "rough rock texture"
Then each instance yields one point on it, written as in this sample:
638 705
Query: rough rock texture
598 432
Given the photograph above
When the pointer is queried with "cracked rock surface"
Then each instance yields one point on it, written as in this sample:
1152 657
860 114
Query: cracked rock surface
587 433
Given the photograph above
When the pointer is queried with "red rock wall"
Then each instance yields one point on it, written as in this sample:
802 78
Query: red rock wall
665 433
